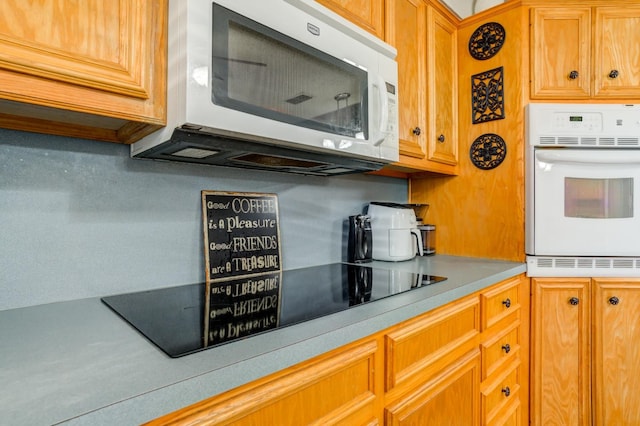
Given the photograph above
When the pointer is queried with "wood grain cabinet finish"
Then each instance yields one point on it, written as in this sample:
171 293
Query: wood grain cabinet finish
94 69
585 352
449 399
338 388
616 351
426 39
416 349
426 370
368 14
563 40
560 357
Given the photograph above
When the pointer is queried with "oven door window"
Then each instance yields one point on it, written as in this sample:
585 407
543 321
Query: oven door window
262 72
598 198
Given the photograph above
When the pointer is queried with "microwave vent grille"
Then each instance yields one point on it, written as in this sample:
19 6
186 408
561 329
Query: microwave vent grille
589 141
583 266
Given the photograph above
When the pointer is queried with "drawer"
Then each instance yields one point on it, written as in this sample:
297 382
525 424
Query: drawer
499 302
416 349
500 391
500 349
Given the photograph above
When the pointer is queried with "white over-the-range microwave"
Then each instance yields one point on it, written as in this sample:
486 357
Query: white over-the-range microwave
283 85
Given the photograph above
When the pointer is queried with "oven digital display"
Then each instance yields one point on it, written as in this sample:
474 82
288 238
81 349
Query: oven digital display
575 118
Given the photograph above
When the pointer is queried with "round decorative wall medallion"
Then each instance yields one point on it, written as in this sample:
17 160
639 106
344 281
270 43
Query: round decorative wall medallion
486 40
488 151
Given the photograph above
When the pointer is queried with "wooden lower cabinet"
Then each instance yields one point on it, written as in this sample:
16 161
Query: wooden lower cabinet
447 366
451 398
585 352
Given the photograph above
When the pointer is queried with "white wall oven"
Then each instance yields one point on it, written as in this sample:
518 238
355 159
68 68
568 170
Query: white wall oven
582 190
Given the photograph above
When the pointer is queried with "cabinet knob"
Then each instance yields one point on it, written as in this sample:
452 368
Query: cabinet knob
506 391
441 138
416 131
614 74
507 302
506 348
574 301
573 75
614 300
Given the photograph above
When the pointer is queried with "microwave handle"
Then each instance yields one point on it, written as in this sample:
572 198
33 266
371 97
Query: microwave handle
383 104
586 157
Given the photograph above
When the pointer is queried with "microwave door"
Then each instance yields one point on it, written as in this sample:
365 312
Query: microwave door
586 202
262 72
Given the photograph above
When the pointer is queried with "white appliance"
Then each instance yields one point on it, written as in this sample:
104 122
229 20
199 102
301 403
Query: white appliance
394 232
583 190
284 85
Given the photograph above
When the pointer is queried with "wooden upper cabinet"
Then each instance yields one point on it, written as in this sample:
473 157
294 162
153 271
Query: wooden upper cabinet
368 14
442 75
93 69
407 32
562 40
617 68
426 41
560 52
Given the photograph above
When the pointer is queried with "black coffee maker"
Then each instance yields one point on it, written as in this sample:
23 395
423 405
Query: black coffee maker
360 239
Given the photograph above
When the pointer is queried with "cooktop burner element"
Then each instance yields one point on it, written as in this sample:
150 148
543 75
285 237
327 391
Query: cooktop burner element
180 321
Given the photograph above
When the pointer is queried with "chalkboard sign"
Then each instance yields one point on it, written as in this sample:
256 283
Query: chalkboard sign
240 307
241 234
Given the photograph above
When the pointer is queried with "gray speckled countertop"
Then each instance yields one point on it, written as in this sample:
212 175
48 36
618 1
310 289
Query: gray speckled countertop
78 363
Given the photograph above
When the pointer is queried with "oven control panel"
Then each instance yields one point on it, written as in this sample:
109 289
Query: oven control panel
588 122
587 125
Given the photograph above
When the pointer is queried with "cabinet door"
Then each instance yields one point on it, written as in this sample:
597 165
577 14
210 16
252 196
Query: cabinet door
368 14
616 367
560 52
449 399
406 31
560 368
442 74
93 69
617 70
337 388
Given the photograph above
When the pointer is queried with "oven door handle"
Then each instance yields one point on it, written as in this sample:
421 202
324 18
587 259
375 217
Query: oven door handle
588 157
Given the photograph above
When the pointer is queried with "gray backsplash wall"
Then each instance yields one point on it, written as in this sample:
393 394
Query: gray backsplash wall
81 219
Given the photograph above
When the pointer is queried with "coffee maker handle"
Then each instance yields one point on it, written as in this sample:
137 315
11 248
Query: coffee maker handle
416 233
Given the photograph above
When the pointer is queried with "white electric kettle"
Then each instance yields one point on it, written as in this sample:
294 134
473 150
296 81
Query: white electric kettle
394 231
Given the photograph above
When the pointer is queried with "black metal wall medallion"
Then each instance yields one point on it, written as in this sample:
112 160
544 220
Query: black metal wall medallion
487 95
488 151
486 40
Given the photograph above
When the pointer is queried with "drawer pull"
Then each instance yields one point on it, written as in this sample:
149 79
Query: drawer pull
507 303
573 75
506 348
506 391
574 301
614 300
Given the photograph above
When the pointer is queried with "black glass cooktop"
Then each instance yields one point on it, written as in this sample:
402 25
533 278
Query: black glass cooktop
182 320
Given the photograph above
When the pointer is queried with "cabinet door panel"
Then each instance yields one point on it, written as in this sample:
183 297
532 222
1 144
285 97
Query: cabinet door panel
616 368
560 44
442 110
76 42
450 399
406 31
560 368
617 32
368 14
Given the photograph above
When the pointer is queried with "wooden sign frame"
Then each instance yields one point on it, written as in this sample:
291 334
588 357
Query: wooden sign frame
241 234
243 264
